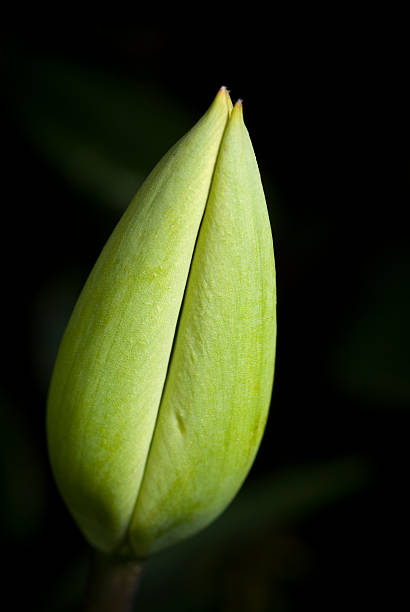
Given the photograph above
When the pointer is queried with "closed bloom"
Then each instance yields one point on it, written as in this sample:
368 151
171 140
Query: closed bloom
162 383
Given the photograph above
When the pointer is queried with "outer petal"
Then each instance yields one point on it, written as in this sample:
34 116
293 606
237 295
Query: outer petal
112 363
218 388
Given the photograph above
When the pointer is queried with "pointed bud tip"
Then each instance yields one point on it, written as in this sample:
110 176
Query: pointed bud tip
223 91
237 109
223 94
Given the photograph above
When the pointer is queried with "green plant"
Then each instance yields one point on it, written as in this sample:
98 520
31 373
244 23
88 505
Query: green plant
163 379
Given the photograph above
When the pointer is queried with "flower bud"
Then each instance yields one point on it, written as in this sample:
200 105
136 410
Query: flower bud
162 382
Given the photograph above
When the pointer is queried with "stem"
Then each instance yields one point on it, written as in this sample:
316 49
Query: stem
112 584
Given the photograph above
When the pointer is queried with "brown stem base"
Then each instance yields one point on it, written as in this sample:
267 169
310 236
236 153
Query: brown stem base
112 585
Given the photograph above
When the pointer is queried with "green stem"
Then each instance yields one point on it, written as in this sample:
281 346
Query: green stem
112 584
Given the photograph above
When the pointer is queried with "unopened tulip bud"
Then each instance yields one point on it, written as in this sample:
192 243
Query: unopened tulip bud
163 379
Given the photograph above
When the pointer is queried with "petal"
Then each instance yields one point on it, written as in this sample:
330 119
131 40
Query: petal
218 388
112 363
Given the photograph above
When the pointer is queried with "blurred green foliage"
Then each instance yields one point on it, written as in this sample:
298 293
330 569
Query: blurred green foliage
373 360
245 559
95 128
315 520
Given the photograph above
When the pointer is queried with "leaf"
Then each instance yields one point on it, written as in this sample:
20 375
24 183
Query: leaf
372 360
102 132
278 502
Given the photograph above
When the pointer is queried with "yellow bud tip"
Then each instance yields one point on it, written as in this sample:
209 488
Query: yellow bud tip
223 91
223 94
237 109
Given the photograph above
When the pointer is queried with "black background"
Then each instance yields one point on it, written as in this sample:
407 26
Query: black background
325 106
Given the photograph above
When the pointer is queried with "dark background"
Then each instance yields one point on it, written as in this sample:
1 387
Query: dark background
86 113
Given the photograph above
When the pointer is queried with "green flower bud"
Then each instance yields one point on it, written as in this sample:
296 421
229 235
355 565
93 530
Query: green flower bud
163 379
